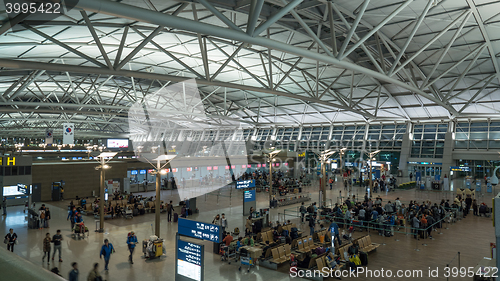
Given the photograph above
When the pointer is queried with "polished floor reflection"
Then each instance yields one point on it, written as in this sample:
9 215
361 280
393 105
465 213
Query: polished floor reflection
470 236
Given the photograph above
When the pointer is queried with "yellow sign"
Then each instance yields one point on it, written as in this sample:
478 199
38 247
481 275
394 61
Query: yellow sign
11 161
303 154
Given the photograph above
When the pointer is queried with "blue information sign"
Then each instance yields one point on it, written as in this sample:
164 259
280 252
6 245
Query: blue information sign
189 263
245 184
199 230
249 195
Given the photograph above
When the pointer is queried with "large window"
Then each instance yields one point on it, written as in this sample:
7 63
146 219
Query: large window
428 140
477 135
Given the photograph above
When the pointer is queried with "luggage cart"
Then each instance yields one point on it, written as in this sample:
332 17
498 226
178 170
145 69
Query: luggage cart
245 259
80 232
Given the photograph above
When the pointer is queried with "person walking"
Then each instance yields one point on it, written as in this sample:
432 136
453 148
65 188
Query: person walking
56 239
4 206
11 239
42 216
46 247
106 251
170 209
94 274
73 274
311 225
47 217
411 176
303 212
223 223
131 242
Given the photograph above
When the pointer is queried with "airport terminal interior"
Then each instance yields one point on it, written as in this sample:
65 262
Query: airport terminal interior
249 140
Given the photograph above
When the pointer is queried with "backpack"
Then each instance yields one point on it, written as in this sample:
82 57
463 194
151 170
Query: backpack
285 232
42 215
310 209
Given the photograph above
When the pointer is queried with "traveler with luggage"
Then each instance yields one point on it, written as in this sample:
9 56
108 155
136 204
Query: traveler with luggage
10 239
131 242
106 251
56 239
46 247
170 209
94 274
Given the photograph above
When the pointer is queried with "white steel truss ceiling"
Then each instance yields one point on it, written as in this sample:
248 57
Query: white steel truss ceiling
262 62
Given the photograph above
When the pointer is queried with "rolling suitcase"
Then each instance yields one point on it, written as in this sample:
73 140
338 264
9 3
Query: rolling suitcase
363 256
176 217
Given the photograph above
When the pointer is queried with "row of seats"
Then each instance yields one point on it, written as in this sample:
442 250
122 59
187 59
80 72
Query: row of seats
286 227
322 264
305 244
365 244
281 254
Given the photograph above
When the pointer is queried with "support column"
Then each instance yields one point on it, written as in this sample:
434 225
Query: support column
448 151
157 201
405 151
101 200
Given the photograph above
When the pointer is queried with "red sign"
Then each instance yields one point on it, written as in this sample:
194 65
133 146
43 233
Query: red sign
244 166
259 165
166 170
249 166
286 164
189 169
227 167
233 166
263 165
174 170
150 171
216 168
277 164
209 168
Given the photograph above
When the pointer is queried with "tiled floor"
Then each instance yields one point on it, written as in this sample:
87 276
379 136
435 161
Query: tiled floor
470 237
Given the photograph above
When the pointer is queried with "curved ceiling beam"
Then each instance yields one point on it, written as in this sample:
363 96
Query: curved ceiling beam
156 18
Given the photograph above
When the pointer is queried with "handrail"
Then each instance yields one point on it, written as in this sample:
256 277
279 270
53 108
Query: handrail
15 268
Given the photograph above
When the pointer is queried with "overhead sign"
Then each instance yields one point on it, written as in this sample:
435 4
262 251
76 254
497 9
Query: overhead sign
189 262
460 168
199 230
7 161
245 184
425 163
249 195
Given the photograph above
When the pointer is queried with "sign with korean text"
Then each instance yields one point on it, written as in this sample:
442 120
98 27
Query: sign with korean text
189 260
199 230
245 184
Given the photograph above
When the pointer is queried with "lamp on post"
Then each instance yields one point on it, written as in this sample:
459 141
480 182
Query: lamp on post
323 157
158 172
370 158
271 156
103 166
341 154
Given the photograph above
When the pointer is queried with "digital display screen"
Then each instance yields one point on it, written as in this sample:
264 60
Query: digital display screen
142 172
133 172
15 190
117 143
189 260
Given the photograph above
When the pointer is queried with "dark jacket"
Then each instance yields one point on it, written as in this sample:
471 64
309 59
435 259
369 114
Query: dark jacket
73 275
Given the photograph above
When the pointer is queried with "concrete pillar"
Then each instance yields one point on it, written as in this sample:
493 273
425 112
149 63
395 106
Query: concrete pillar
405 150
449 143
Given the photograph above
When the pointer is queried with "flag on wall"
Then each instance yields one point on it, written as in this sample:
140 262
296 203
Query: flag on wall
49 137
68 133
